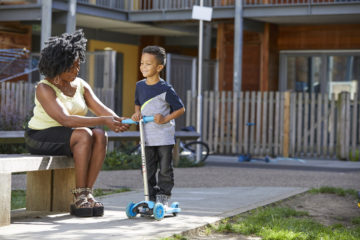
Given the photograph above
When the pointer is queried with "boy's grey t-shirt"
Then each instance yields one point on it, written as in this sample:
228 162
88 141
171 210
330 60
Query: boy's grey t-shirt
158 98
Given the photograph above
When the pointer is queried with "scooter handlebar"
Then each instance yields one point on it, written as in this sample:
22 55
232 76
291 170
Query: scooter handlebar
146 119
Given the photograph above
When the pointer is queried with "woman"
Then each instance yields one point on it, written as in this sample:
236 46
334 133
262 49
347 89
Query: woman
59 125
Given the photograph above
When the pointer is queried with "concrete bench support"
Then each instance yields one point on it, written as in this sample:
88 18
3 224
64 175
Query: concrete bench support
5 198
64 181
50 190
49 181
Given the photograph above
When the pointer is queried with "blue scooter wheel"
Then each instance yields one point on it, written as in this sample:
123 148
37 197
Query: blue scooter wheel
129 210
159 211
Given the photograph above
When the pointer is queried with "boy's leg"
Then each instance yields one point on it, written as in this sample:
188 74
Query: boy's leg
151 165
166 173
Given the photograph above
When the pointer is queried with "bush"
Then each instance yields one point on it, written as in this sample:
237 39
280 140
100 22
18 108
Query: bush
7 148
121 160
117 160
356 156
185 162
11 121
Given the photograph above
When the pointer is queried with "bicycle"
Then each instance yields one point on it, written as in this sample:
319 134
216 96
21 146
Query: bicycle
187 150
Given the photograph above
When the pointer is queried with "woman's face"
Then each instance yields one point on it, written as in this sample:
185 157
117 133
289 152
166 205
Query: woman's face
72 73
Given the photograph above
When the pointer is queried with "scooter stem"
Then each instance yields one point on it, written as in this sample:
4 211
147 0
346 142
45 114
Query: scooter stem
141 123
143 159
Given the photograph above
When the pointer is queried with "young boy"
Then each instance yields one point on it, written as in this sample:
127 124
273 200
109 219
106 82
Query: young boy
155 97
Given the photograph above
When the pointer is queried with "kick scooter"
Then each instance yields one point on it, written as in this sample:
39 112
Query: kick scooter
147 207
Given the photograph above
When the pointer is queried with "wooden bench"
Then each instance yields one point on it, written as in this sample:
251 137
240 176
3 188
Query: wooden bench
18 137
50 178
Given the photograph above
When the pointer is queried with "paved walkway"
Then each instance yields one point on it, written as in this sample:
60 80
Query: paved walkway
226 171
199 207
223 187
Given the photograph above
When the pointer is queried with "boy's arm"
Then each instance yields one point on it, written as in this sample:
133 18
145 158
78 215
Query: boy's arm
137 109
137 114
160 119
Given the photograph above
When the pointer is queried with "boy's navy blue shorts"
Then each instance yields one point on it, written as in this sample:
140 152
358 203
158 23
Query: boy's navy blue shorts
50 141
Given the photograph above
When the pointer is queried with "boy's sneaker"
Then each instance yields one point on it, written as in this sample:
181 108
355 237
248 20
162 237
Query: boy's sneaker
164 199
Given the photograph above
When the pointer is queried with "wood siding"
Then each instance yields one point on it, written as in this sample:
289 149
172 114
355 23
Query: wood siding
225 56
260 67
342 36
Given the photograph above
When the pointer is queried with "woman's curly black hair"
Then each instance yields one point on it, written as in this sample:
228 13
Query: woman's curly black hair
59 53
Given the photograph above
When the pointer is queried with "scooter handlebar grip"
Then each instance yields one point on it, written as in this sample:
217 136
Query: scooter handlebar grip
129 121
148 119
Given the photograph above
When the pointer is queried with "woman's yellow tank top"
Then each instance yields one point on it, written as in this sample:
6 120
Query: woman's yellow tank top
75 105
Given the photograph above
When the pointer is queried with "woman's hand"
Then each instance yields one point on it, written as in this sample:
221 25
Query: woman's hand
123 127
114 123
159 119
136 116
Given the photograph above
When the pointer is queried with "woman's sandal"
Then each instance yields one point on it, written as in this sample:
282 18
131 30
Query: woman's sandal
81 206
98 207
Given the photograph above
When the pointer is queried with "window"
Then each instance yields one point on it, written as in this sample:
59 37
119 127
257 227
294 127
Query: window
303 74
324 72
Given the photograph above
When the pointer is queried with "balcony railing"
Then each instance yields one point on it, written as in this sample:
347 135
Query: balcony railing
112 4
165 5
269 3
155 5
18 2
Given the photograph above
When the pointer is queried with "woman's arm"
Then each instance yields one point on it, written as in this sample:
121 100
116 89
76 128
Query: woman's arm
54 108
94 103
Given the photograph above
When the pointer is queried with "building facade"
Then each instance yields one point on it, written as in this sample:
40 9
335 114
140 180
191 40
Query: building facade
303 45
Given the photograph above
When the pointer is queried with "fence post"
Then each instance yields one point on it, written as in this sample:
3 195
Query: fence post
342 129
286 126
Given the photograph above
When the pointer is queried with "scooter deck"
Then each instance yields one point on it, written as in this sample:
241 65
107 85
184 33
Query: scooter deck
145 208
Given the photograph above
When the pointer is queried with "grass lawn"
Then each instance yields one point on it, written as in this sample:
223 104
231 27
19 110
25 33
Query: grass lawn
18 199
284 220
285 223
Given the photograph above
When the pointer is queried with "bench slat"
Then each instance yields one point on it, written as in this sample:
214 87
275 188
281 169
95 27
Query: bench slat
11 136
11 163
18 136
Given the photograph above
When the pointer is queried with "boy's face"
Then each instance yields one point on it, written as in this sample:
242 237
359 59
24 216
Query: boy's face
149 65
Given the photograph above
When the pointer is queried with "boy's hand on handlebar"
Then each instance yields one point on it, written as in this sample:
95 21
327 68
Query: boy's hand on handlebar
136 117
159 119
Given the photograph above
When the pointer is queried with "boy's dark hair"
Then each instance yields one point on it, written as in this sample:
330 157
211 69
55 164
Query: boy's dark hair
158 52
59 53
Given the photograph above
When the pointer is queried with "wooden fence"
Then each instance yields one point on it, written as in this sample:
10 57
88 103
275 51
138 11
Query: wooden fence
279 123
17 102
260 123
